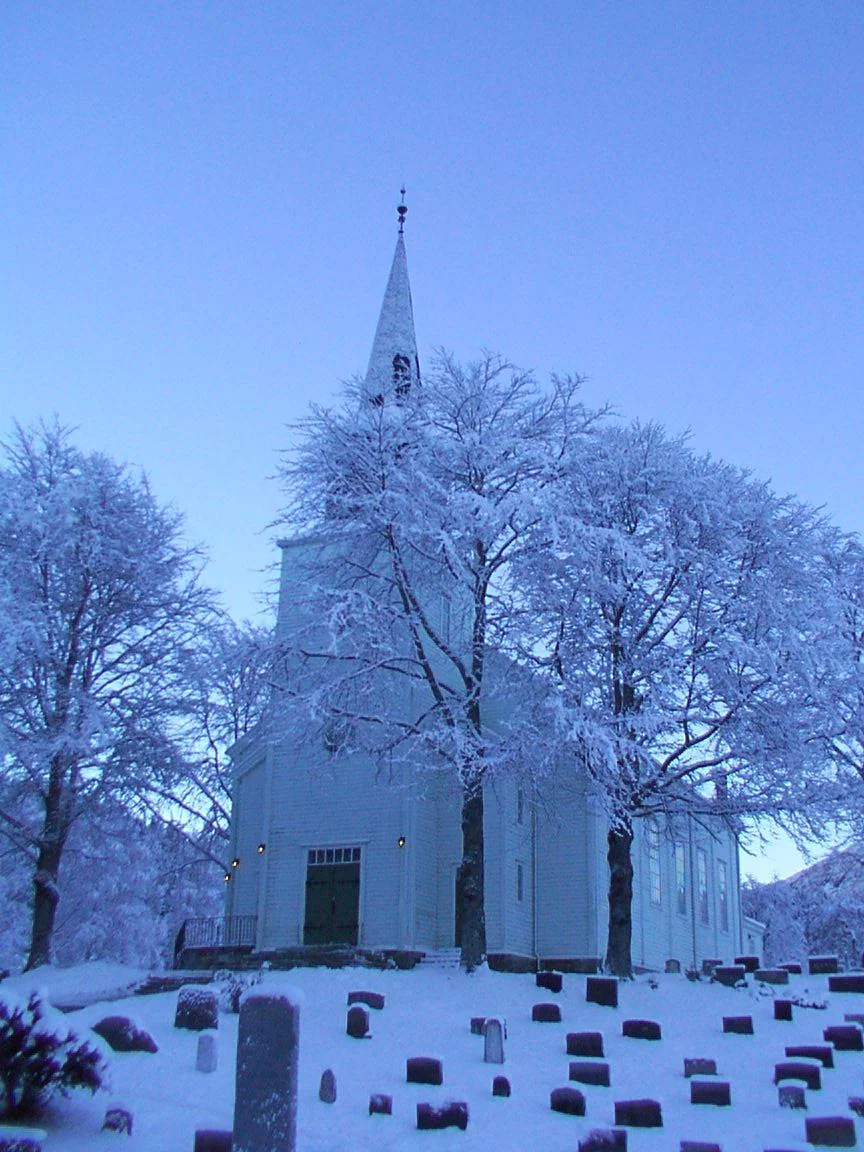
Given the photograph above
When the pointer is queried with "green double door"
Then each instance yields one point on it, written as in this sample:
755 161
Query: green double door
332 903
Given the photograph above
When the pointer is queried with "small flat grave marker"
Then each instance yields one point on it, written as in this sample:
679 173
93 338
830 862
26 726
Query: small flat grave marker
845 1037
594 1072
585 1044
567 1100
641 1029
715 1092
638 1113
821 1052
602 990
424 1070
604 1140
546 1014
830 1131
739 1025
454 1114
699 1066
791 1096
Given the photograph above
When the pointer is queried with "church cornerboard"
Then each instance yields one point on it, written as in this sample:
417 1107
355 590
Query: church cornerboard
331 853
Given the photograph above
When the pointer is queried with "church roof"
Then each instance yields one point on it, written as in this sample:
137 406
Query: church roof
393 365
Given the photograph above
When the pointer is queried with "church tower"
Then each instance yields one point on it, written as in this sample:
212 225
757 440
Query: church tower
394 368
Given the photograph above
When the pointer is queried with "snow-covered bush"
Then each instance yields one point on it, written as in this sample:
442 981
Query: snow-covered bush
37 1061
232 985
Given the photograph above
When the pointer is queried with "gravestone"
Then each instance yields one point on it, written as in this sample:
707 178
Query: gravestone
370 999
729 974
478 1023
21 1139
821 1052
207 1054
197 1010
794 969
854 1018
546 1014
265 1102
845 1037
500 1086
570 1101
594 1072
357 1022
602 990
715 1092
822 965
604 1140
738 1025
791 1096
782 1009
807 1071
698 1146
672 967
584 1044
699 1066
380 1104
451 1115
493 1041
122 1035
638 1114
708 966
118 1120
856 1105
771 975
424 1070
327 1087
748 963
830 1131
212 1140
551 981
641 1029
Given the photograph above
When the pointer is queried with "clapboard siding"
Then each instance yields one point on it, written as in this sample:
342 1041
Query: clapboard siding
248 832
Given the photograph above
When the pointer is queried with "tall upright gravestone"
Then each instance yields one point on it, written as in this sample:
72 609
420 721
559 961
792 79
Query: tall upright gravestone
265 1106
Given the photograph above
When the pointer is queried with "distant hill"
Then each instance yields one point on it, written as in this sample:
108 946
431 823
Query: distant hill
818 910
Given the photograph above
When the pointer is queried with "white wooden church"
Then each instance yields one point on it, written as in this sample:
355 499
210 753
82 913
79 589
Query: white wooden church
328 853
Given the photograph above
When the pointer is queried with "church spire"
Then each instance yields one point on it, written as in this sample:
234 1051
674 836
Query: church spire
393 365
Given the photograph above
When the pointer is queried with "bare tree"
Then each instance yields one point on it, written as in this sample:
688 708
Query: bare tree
100 603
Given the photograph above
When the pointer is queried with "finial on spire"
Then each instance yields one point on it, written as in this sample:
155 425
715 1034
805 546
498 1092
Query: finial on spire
403 211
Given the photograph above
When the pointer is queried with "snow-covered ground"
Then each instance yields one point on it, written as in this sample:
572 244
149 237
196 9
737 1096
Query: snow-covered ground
427 1013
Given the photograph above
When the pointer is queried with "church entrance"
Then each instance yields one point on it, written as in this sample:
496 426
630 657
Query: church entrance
332 896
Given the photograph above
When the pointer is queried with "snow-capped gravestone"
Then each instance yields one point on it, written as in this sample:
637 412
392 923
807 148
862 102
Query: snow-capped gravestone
451 1115
268 1041
380 1104
546 1014
207 1056
822 965
122 1035
197 1010
845 1037
424 1070
551 981
493 1041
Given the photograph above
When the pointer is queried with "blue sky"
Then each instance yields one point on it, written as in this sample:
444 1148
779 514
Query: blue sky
198 217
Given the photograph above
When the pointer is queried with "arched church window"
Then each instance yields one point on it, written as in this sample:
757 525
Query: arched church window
401 375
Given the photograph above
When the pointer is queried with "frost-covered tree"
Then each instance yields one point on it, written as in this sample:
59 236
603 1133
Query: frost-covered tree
228 678
415 506
100 603
678 615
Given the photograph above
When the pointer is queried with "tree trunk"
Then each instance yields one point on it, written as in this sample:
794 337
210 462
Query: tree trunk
470 880
45 891
619 841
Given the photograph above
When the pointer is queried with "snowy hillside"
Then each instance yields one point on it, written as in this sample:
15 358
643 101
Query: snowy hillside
427 1012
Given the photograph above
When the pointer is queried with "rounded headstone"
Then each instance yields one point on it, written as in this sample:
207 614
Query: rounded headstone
567 1100
500 1086
327 1087
357 1022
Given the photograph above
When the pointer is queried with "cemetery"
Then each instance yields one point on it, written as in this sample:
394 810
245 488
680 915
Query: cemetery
319 1060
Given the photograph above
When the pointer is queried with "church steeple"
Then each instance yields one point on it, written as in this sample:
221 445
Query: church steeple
394 369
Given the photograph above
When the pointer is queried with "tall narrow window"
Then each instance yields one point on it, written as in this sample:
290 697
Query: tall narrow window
520 806
401 375
723 894
680 879
702 883
654 880
520 883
